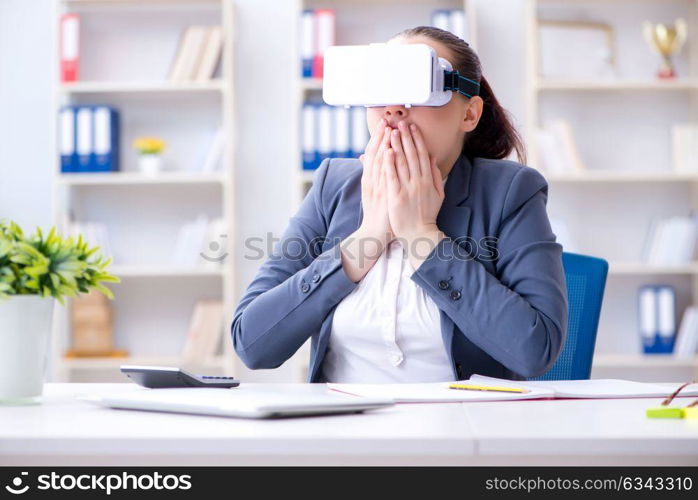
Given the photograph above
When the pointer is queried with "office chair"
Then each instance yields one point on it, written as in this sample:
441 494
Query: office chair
586 281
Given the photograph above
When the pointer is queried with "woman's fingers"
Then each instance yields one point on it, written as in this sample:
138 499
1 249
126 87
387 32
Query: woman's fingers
390 174
424 162
403 169
385 143
374 144
375 139
410 150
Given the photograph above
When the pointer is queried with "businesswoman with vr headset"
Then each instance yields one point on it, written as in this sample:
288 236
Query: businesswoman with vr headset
430 258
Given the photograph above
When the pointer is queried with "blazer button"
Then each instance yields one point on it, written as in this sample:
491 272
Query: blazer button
305 288
455 295
444 285
459 369
316 278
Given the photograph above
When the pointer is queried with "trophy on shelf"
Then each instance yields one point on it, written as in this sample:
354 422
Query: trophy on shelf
665 41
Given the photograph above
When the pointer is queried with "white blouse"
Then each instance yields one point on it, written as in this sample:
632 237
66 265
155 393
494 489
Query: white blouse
387 329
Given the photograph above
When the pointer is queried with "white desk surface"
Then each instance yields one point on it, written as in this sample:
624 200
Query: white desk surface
66 431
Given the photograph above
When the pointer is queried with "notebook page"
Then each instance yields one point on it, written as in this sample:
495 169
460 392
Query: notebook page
436 392
597 388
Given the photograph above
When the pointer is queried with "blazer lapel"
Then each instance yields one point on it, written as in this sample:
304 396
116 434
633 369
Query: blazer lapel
454 217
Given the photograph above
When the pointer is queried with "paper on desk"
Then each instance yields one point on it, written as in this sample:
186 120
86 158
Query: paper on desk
438 392
596 388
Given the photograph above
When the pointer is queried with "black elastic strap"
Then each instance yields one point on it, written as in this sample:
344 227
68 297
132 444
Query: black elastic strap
461 84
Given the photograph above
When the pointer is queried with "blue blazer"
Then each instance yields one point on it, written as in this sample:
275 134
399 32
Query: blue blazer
497 278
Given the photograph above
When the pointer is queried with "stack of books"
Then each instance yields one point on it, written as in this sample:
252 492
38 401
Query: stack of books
557 148
453 20
671 241
95 233
204 333
198 55
687 338
201 244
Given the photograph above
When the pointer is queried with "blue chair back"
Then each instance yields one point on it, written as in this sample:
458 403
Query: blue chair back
586 281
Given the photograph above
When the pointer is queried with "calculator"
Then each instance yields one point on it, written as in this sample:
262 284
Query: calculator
160 377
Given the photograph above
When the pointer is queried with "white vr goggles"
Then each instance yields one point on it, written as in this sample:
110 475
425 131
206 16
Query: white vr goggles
382 74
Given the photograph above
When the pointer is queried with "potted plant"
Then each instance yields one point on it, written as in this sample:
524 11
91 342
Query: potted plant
35 271
149 154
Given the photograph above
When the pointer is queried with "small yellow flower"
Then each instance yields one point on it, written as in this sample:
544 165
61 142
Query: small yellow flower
149 145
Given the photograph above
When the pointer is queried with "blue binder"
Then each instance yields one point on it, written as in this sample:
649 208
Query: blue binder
311 156
656 308
84 143
341 123
67 139
359 132
106 139
307 42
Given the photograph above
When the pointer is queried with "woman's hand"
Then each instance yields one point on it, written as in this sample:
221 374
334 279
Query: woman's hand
361 249
374 200
415 192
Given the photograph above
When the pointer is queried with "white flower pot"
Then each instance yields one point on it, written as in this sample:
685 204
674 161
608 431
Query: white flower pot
25 331
150 164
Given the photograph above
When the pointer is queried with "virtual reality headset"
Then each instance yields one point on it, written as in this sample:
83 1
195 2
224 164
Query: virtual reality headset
382 74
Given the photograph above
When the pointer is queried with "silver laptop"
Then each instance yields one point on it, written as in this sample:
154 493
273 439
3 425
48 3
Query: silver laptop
245 402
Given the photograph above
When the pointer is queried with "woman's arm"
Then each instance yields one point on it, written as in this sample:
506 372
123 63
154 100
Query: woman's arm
519 317
293 290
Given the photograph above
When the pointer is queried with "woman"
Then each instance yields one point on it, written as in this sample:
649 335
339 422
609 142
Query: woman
431 258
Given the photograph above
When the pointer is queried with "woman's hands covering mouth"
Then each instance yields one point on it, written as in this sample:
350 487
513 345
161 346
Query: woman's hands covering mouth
401 195
415 192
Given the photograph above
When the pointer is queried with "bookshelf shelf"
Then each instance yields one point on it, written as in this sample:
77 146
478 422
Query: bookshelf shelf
165 272
107 363
610 176
618 85
141 3
641 360
138 87
639 268
131 178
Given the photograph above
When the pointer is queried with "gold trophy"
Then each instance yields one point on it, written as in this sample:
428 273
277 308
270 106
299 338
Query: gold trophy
665 41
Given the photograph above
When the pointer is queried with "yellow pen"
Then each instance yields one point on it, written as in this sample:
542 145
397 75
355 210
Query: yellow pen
485 388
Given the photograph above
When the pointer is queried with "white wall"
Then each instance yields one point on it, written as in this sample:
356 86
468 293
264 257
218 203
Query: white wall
26 119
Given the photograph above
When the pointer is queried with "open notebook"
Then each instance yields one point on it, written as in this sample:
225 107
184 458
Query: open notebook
434 392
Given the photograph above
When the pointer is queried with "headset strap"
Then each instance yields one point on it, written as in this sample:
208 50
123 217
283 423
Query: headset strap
461 84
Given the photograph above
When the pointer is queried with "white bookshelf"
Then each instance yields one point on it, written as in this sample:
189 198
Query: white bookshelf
352 29
630 177
126 50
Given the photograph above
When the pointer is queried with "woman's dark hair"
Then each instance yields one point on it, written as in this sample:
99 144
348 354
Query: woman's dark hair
495 135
